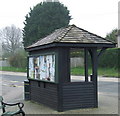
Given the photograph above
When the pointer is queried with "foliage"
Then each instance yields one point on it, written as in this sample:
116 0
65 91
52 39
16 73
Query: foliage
11 38
18 60
43 19
109 59
13 69
108 72
112 35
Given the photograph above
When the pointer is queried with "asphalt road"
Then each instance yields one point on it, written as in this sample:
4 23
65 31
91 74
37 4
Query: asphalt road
13 87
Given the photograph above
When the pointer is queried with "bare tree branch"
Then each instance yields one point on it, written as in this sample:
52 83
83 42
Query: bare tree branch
11 38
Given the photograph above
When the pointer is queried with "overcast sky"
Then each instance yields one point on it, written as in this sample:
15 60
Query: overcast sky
97 16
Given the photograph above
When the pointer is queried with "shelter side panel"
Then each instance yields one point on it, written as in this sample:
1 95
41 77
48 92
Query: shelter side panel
78 95
44 92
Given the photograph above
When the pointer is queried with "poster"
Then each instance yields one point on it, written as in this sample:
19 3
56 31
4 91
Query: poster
31 68
47 67
36 68
42 67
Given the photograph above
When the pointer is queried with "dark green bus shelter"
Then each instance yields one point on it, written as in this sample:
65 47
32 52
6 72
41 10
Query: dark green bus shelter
49 69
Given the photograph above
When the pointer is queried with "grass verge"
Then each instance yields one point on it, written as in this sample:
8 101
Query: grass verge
13 69
108 72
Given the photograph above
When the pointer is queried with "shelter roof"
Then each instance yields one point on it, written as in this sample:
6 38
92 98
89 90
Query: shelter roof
71 34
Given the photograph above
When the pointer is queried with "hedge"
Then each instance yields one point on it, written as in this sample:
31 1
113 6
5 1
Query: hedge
109 58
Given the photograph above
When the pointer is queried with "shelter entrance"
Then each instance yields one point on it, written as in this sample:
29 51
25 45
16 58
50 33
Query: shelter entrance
78 64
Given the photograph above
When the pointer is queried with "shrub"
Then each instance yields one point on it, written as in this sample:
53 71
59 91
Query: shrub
109 58
18 60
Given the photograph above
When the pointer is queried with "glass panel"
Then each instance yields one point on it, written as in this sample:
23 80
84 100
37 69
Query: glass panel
31 68
42 67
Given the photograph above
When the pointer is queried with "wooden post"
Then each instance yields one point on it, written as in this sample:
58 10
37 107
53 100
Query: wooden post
94 72
63 73
86 64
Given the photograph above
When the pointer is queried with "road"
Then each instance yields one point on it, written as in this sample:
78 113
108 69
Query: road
13 87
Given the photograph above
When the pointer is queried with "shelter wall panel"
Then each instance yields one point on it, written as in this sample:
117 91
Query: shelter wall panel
45 93
78 95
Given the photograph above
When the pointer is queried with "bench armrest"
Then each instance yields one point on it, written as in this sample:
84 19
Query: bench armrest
20 105
3 106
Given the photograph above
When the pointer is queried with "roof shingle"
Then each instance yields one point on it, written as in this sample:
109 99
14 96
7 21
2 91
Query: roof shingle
70 34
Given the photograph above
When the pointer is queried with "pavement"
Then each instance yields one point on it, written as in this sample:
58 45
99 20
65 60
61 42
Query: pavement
108 104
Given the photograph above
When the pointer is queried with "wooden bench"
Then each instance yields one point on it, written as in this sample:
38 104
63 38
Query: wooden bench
11 113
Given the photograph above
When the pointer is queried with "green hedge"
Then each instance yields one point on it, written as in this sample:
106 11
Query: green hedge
18 60
109 59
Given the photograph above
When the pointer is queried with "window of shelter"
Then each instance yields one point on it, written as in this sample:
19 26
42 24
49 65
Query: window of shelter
77 65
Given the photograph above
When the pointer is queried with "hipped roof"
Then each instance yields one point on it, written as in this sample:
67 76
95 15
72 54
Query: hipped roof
71 34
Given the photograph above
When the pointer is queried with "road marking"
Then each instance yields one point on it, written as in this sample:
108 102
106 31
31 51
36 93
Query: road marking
18 86
4 84
12 85
14 81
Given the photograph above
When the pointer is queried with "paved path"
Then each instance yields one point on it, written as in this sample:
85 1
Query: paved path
108 98
13 73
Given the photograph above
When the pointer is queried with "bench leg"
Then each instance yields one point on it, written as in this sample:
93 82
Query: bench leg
23 113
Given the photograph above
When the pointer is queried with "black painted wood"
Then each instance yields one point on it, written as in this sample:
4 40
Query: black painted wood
63 65
46 93
70 45
63 73
101 52
94 73
78 95
86 64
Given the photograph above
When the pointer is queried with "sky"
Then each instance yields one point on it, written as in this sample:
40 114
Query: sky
97 16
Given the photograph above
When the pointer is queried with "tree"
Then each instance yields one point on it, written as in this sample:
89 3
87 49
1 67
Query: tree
43 19
11 38
112 35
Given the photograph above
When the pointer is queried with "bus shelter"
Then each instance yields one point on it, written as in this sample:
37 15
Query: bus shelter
49 69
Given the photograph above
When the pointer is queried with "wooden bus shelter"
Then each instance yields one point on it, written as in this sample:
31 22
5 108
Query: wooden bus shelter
49 69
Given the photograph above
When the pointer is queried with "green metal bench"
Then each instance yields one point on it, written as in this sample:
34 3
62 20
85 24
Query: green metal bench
11 113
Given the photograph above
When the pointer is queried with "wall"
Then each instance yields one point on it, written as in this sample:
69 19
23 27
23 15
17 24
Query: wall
77 62
78 95
44 92
118 40
4 63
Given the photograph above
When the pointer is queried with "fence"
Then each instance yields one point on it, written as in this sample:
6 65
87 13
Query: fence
4 63
77 62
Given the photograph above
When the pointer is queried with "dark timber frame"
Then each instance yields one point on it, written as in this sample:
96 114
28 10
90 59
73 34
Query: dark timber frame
64 94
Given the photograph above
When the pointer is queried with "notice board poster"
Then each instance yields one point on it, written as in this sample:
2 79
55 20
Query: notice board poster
42 67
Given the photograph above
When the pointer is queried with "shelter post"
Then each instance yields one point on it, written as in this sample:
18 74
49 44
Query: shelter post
86 65
94 73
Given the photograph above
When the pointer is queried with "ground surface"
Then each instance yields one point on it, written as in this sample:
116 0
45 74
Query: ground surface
12 85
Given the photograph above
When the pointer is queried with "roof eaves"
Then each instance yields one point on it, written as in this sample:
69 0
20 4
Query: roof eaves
94 34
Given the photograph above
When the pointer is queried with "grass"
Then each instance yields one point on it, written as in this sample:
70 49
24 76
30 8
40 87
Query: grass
108 72
13 69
